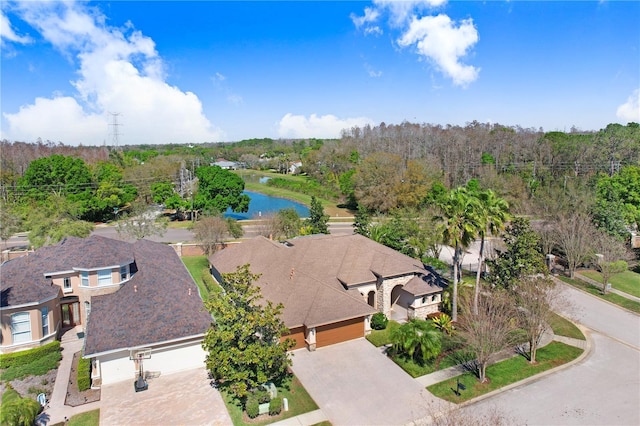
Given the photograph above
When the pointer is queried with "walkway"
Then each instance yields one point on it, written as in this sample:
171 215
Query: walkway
56 412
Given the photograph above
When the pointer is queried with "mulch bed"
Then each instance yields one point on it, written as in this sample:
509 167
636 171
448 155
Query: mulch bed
74 396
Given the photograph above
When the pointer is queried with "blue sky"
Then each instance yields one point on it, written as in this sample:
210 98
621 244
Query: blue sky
209 71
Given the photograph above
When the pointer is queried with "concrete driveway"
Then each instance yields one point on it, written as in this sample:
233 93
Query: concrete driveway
184 398
355 384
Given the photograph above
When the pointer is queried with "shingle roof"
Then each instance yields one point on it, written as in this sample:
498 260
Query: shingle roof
308 275
20 286
160 303
23 279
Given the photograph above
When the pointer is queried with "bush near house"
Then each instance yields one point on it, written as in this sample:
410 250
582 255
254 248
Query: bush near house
379 321
84 374
275 406
34 362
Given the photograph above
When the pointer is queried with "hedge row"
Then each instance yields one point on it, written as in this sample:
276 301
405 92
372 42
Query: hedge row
29 356
84 374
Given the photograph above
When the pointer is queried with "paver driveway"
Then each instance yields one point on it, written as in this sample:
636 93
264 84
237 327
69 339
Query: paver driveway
183 398
355 384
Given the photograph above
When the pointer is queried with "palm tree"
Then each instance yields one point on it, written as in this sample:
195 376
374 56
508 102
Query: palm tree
492 215
460 227
419 339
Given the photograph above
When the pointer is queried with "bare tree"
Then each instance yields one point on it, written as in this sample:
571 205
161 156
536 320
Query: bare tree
141 222
9 222
454 415
575 233
209 232
611 255
536 298
490 331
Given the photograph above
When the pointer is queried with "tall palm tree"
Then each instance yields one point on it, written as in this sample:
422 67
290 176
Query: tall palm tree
492 216
460 226
419 339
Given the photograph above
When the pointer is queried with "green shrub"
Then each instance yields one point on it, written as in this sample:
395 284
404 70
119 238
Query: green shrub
261 396
28 356
37 367
84 374
379 321
208 281
252 407
275 406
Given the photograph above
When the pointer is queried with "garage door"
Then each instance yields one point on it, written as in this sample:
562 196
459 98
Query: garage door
296 334
339 332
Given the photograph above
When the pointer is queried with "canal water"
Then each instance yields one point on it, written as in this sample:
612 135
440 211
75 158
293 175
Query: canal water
262 205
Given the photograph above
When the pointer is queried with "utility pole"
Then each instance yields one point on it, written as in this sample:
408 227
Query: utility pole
115 132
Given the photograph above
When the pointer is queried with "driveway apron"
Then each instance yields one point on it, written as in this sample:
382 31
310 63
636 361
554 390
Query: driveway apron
355 384
183 398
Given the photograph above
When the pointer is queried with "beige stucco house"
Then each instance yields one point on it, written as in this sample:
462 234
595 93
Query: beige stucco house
125 296
330 286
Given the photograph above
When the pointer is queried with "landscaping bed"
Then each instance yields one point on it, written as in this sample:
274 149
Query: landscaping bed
31 372
505 373
299 402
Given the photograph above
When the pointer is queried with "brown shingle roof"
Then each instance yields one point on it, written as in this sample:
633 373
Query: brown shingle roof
308 275
160 303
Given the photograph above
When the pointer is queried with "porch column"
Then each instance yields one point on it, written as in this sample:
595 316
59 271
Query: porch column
310 339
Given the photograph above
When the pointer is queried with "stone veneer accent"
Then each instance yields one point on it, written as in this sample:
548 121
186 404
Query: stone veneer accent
385 287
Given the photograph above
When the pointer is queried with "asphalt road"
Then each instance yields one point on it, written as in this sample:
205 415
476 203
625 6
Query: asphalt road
602 389
175 235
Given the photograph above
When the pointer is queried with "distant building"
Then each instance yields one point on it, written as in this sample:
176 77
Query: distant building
224 164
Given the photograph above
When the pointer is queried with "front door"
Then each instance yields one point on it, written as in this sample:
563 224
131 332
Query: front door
70 314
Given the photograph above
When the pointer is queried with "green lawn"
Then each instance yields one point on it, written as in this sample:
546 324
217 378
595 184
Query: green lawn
381 337
564 327
90 418
505 373
299 403
629 304
627 281
198 267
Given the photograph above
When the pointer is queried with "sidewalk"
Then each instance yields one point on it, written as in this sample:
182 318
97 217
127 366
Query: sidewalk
55 411
457 370
306 419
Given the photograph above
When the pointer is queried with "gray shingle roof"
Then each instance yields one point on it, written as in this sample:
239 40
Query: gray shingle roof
308 275
160 303
23 279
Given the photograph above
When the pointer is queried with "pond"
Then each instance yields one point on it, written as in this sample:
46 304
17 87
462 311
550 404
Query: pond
262 205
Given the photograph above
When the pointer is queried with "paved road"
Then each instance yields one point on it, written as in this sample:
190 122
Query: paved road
603 389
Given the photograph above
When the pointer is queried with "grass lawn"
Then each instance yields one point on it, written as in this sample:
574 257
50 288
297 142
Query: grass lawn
90 418
198 267
299 403
505 373
381 337
564 327
627 281
631 305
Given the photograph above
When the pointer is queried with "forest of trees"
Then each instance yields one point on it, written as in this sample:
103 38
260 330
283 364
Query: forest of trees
381 170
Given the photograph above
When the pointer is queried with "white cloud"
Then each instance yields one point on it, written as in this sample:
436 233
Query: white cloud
7 32
119 71
370 15
402 10
438 39
630 110
325 126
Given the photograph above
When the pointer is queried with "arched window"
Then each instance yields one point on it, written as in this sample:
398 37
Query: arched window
21 327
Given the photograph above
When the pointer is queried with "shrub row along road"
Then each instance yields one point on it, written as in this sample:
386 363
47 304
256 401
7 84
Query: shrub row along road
602 389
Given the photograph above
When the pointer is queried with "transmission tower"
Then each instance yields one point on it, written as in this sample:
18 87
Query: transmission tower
115 131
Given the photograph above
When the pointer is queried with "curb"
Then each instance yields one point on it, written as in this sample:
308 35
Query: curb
583 355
